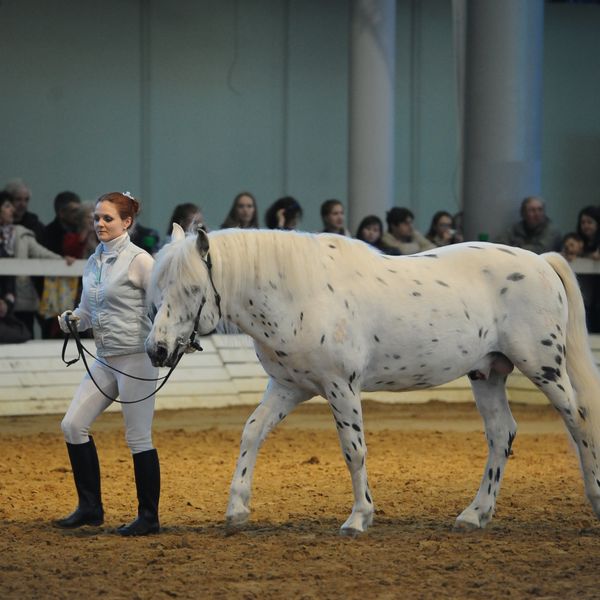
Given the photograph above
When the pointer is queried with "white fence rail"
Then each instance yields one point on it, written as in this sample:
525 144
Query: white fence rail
34 380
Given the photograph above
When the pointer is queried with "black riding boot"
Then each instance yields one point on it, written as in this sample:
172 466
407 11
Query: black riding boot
86 473
147 483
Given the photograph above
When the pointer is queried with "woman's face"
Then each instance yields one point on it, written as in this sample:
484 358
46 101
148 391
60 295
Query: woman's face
7 213
371 233
244 210
403 230
108 223
192 221
589 226
443 225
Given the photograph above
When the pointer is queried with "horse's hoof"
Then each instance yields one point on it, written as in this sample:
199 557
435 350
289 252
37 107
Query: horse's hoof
350 532
235 523
465 526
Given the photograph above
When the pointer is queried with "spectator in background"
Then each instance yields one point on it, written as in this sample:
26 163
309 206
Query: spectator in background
370 231
572 246
12 331
588 228
284 213
59 291
332 214
145 237
82 242
188 216
534 231
401 233
442 230
18 242
20 196
243 213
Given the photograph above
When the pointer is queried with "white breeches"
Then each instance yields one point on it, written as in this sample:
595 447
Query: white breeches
88 402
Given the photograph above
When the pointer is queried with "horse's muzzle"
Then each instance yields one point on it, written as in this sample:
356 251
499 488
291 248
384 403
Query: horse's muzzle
159 355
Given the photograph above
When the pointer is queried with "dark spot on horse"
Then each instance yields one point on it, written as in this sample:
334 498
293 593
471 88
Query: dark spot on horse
396 356
295 332
467 315
497 478
301 316
560 387
252 421
489 488
322 338
503 291
417 282
332 246
465 352
244 453
338 424
355 427
582 413
547 342
490 473
262 316
480 331
584 443
346 303
333 395
335 408
553 336
550 373
281 416
368 498
250 302
416 294
330 288
506 250
376 338
244 471
280 353
435 340
558 359
475 247
272 285
335 385
359 440
353 376
381 280
560 299
442 283
392 271
516 277
266 334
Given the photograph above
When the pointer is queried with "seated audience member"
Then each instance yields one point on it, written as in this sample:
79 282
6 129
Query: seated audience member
442 230
188 216
588 228
59 291
82 242
12 331
572 246
144 237
285 213
370 231
66 211
20 195
18 242
332 214
534 231
401 233
243 212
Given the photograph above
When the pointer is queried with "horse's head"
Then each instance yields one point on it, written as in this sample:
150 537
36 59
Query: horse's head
182 296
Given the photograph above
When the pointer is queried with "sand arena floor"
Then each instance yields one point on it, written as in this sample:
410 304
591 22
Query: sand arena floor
424 466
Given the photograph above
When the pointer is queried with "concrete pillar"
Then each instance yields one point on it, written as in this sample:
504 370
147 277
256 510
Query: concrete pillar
503 112
371 111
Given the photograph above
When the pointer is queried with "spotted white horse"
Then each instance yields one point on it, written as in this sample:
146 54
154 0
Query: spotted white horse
331 317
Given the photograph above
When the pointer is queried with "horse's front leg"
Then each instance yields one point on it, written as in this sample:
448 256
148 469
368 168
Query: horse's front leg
344 399
278 401
500 431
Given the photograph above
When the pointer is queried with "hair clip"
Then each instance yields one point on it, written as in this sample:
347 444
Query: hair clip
128 194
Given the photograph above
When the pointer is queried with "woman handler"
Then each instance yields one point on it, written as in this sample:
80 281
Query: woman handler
113 303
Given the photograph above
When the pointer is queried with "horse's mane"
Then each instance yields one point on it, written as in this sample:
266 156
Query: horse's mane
261 259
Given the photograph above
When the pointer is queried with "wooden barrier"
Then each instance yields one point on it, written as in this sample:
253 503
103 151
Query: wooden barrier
34 380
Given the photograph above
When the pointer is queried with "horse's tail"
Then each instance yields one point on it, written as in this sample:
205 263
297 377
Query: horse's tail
580 363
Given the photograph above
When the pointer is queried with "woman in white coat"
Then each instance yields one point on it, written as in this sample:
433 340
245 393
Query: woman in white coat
113 304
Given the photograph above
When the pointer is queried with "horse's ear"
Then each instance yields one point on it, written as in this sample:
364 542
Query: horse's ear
202 242
178 233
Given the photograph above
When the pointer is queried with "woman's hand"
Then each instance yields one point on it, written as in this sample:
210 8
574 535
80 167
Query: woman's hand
63 319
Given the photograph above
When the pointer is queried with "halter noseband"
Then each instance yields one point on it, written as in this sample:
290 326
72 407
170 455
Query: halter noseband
192 341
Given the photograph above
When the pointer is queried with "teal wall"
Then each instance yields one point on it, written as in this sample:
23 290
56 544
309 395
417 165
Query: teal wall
193 101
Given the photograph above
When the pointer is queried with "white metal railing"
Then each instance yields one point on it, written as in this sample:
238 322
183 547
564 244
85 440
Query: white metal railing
41 266
51 267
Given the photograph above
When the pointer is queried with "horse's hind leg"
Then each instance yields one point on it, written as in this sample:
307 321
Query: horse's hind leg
278 401
346 408
500 431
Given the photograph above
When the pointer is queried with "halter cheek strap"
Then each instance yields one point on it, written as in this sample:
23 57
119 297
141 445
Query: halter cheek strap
192 341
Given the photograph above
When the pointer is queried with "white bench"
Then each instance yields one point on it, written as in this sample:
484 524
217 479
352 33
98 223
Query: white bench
34 380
